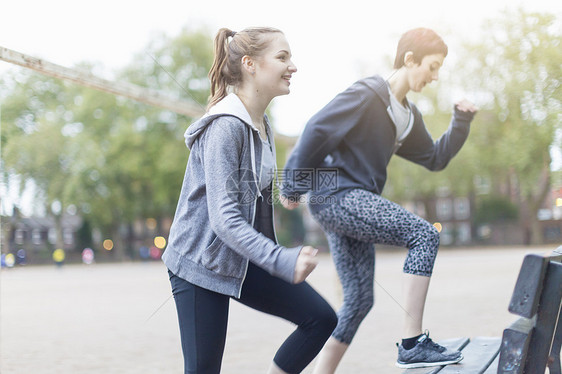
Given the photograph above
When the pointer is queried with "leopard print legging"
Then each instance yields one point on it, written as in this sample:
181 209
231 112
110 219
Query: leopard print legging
353 225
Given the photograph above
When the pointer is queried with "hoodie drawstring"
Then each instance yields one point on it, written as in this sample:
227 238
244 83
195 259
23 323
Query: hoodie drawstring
253 159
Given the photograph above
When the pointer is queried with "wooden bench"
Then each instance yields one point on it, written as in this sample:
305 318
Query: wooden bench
530 343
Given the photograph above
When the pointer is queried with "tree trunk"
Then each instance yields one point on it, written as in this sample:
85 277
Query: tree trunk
118 243
59 231
533 204
537 236
7 234
430 209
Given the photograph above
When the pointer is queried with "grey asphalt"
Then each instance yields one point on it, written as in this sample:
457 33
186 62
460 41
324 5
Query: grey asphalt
120 318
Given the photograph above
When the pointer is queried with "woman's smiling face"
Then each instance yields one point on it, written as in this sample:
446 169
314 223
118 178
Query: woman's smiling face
274 67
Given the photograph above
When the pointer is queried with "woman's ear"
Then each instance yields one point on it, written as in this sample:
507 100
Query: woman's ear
409 59
248 64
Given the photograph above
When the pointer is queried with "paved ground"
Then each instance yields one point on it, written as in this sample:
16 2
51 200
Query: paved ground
97 318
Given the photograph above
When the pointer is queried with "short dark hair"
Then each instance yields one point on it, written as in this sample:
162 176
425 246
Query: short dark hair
421 42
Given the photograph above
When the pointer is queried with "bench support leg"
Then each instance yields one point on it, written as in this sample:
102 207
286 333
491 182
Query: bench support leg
554 359
549 309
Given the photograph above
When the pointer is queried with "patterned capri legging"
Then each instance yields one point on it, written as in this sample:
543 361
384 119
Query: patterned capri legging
353 225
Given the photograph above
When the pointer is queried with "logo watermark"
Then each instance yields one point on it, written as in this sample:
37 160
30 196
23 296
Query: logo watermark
242 185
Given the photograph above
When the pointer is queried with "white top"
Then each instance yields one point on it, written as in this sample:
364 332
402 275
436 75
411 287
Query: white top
401 115
267 171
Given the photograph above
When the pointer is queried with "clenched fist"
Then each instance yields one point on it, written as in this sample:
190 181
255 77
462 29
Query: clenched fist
306 262
466 106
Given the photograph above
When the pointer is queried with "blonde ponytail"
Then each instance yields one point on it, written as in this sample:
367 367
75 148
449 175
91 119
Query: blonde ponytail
217 74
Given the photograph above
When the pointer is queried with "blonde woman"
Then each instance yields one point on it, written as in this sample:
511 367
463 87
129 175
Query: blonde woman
222 242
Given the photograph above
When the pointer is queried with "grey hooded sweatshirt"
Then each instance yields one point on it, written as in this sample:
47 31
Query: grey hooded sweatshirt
212 238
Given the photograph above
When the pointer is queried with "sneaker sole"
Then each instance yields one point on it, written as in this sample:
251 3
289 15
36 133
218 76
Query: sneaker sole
427 364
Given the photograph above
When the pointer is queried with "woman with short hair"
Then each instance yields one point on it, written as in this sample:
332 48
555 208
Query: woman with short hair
354 137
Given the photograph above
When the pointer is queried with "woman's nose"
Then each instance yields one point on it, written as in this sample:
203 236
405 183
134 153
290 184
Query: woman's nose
292 68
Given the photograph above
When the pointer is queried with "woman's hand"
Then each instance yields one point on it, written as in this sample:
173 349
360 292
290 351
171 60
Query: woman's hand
306 262
288 203
466 106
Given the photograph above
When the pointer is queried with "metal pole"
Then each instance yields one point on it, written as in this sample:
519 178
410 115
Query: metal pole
141 94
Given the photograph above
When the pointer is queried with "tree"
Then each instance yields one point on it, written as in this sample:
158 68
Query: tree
514 73
33 138
115 160
517 64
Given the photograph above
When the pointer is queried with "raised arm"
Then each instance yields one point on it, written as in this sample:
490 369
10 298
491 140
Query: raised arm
420 148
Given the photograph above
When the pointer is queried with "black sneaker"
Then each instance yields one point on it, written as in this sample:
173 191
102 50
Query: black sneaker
426 353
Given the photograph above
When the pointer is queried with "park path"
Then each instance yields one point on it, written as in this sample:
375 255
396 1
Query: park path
104 318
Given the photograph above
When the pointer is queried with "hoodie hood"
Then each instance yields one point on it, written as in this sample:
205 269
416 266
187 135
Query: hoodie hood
379 85
231 105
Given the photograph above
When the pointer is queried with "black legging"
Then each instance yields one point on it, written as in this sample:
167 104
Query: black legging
203 316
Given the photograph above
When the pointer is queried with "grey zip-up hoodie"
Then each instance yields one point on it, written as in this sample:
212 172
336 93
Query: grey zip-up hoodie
212 236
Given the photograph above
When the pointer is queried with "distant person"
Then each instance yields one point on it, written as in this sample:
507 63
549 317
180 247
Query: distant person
354 137
59 256
222 243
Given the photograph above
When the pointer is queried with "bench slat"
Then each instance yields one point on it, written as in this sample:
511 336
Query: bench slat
515 344
528 342
453 343
525 298
555 367
541 339
557 254
478 356
528 288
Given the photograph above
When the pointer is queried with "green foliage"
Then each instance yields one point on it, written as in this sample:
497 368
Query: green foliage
495 209
518 66
178 66
114 159
513 73
117 160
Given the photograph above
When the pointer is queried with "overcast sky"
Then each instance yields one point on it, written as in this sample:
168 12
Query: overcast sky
332 45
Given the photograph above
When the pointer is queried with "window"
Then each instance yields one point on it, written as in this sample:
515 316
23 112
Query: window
52 235
482 185
19 236
67 236
462 208
36 236
444 209
463 233
446 236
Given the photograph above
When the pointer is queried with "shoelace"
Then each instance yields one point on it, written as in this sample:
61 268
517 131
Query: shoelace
427 341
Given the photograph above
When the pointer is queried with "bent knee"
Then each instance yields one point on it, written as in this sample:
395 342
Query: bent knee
322 323
426 237
433 234
328 319
360 308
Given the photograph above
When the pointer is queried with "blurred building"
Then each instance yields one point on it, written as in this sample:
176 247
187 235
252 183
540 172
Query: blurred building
455 217
35 234
550 216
